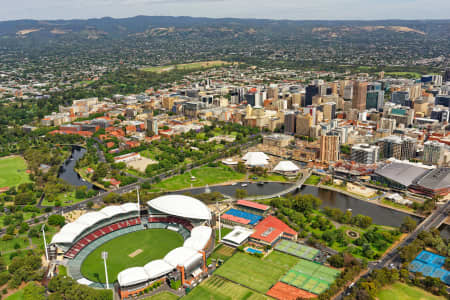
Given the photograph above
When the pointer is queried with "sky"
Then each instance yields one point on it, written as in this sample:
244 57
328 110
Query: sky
260 9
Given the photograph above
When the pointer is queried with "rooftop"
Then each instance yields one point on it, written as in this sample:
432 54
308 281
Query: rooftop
435 179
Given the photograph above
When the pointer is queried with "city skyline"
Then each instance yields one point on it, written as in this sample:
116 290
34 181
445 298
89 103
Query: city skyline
252 9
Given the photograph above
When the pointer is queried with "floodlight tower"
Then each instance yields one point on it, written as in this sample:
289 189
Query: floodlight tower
45 241
139 203
104 257
220 228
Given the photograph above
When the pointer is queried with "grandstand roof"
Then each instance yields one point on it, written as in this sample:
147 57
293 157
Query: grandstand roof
157 268
182 256
253 204
286 166
271 228
132 276
71 231
181 206
256 161
199 238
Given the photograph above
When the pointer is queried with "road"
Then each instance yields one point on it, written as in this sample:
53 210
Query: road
393 256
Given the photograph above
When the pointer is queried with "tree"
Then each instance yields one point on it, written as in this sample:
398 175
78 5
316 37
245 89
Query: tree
408 224
56 220
34 291
241 168
336 260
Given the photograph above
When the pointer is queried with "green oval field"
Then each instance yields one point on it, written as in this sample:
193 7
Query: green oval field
13 171
131 250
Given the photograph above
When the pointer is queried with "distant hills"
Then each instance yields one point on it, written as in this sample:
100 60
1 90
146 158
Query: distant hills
162 26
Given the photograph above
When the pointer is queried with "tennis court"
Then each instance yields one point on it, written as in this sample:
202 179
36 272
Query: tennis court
297 249
430 264
244 215
310 276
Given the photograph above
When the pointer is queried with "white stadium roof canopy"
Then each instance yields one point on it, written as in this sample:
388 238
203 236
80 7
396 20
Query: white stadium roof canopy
132 276
71 231
199 238
181 206
259 155
182 256
157 268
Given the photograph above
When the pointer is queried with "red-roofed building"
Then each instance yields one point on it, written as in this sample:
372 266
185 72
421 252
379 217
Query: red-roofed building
233 220
252 207
110 144
270 230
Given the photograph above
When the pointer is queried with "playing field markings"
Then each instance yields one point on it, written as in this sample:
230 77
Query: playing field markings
135 253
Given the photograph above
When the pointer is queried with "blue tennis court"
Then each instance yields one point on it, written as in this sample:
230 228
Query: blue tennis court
430 264
245 215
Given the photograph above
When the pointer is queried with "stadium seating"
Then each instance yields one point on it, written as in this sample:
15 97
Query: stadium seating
88 239
172 220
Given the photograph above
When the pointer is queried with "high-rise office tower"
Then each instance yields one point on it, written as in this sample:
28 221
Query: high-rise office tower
359 95
329 111
290 122
433 152
303 124
375 99
310 92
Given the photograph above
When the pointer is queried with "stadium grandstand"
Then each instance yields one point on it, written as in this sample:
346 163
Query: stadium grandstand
253 207
185 215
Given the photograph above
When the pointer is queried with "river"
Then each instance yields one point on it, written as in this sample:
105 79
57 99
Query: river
380 215
67 172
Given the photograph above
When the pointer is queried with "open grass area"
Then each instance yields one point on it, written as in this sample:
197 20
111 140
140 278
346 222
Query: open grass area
154 243
224 231
405 292
396 205
222 251
269 177
313 180
256 273
16 296
66 199
163 296
403 74
13 171
203 176
220 289
189 66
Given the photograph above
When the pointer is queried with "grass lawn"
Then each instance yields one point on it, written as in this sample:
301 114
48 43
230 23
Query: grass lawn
405 292
154 243
16 296
189 66
313 180
256 273
222 251
403 74
269 177
13 171
204 175
66 199
397 205
220 289
163 296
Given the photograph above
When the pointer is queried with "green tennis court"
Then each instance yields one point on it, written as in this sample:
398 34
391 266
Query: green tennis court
297 249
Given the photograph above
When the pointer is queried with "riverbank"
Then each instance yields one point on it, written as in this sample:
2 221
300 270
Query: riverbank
349 194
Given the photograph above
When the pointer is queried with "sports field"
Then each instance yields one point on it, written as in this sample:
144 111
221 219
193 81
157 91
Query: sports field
256 273
190 66
163 296
297 249
154 243
405 292
220 289
13 171
203 175
310 276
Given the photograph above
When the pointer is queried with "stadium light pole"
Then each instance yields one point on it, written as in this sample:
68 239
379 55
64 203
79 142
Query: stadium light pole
45 241
139 203
105 256
220 228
